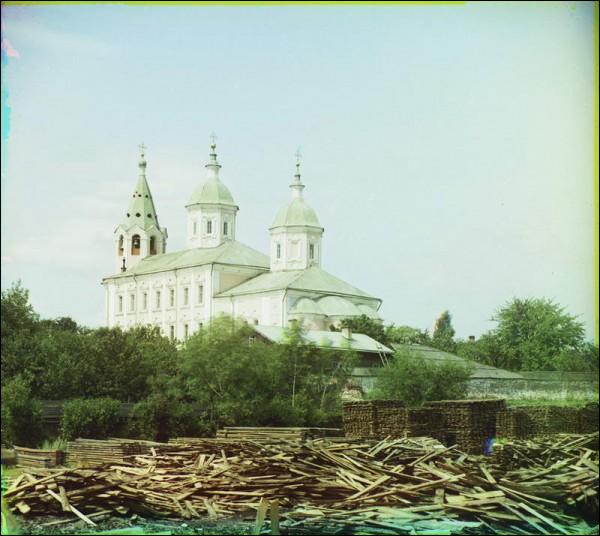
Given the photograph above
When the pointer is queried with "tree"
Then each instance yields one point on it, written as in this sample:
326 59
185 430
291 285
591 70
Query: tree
406 335
367 326
21 414
443 333
413 379
532 333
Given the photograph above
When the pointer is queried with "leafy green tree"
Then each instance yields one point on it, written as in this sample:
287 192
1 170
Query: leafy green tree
443 333
21 414
581 359
367 326
532 333
92 418
413 379
406 335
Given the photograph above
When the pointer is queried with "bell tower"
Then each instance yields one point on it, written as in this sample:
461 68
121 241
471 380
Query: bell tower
139 235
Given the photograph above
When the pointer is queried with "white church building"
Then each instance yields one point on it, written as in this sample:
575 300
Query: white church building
216 274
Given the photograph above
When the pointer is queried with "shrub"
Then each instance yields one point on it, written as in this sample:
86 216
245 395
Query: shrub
411 378
94 418
21 414
159 418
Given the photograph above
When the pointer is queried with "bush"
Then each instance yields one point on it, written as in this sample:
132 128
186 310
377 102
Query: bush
93 418
21 414
159 418
411 378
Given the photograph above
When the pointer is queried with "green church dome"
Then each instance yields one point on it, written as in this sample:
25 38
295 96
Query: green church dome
212 191
296 212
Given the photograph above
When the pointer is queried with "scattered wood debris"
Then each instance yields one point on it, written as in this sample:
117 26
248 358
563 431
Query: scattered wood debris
390 483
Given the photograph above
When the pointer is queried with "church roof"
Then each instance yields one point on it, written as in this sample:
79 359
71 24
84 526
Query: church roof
212 190
312 279
141 211
230 252
327 339
296 212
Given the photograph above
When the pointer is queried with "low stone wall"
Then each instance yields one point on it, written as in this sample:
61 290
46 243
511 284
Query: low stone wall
541 387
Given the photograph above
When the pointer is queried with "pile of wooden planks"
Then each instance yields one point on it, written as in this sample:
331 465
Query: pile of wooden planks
374 419
96 451
512 423
26 457
385 483
588 418
273 433
424 422
469 423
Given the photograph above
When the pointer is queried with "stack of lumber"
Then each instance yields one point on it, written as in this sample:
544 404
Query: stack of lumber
359 419
424 422
391 483
38 458
469 423
282 433
114 450
512 423
588 418
374 419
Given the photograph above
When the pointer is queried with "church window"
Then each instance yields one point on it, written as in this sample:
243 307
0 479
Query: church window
279 251
172 332
132 302
209 226
185 331
311 251
137 214
195 225
120 249
200 294
135 245
120 304
251 340
186 295
145 301
149 215
172 297
225 228
158 299
152 245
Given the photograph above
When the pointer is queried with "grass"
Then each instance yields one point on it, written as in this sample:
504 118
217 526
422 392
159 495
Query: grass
54 444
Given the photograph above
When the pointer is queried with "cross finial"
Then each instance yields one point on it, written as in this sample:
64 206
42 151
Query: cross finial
298 156
213 141
142 148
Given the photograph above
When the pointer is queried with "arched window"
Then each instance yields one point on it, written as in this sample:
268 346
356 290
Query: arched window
279 251
135 244
120 247
225 228
152 245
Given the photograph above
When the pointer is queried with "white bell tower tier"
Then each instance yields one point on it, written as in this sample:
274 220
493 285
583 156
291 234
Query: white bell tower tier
211 209
296 233
139 235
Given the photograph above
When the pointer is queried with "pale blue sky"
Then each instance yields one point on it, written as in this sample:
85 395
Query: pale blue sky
448 150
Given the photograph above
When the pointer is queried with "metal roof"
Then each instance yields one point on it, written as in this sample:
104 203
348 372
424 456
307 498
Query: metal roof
327 339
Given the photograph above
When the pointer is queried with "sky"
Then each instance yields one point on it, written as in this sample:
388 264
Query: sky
447 149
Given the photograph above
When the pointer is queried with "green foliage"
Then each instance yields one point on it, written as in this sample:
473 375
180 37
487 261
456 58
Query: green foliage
407 335
92 418
54 444
533 334
367 326
242 380
160 417
21 414
413 379
443 333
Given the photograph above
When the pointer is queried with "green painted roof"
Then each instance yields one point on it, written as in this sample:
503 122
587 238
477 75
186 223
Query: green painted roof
327 339
141 211
306 306
296 212
368 311
212 190
338 306
312 279
480 370
230 252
